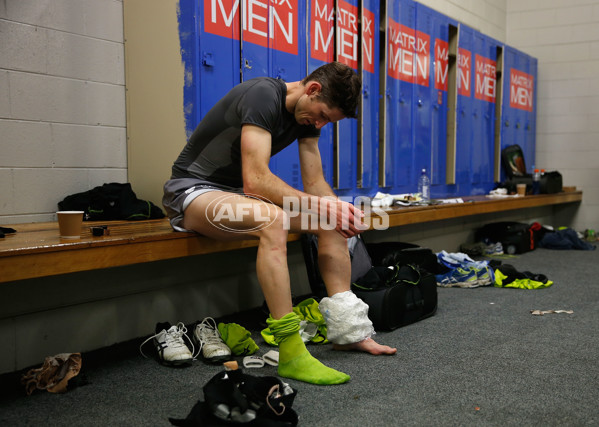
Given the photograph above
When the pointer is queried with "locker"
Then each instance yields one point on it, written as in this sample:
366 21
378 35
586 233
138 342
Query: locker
272 45
430 108
508 128
346 52
369 127
405 174
483 142
530 127
321 50
422 106
389 92
465 109
240 40
210 47
401 42
519 114
272 39
440 58
519 109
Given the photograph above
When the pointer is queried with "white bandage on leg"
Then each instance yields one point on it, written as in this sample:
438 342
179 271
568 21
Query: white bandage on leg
347 319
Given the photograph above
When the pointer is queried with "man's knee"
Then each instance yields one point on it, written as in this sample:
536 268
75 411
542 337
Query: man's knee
276 228
331 237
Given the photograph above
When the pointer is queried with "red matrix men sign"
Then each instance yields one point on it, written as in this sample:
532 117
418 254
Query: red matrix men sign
322 30
521 90
408 54
464 71
268 23
485 78
441 64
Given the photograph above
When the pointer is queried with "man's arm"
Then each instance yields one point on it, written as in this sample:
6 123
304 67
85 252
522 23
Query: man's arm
349 218
311 168
258 180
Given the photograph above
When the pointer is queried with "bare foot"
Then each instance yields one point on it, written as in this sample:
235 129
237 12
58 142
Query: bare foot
368 346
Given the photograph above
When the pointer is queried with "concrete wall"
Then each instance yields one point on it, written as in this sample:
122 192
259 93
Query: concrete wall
62 103
486 16
564 36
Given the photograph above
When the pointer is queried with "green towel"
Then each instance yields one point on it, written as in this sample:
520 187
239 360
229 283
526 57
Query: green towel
237 338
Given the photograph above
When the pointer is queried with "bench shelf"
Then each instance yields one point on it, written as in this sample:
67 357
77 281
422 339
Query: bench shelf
36 250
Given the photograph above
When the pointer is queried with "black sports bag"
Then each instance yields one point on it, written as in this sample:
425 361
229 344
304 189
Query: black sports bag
551 183
515 237
397 296
401 253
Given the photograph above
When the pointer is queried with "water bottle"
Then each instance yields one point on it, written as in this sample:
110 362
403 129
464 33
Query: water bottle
424 186
536 182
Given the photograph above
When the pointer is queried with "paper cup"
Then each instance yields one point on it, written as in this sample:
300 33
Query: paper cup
521 189
69 224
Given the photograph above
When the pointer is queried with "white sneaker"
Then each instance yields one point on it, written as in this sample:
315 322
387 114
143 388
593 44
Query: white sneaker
170 345
210 343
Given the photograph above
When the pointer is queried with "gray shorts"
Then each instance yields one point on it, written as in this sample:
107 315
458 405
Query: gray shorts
180 192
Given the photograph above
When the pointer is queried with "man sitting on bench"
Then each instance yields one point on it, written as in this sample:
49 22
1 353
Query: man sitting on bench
223 169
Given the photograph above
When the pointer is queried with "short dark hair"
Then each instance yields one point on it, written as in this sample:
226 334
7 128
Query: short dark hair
340 87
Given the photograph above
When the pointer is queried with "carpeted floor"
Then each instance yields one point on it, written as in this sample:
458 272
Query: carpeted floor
483 359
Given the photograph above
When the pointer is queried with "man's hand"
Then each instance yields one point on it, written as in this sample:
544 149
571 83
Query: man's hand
346 217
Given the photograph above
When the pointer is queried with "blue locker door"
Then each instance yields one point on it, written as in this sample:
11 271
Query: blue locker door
392 75
440 57
423 96
273 44
464 116
477 148
370 93
321 48
516 73
273 39
347 51
405 173
485 66
490 94
210 51
531 112
401 47
508 119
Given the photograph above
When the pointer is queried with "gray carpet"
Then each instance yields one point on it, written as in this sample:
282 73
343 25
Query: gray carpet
483 359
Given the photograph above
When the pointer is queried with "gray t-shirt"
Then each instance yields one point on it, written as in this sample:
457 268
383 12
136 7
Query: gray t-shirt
213 151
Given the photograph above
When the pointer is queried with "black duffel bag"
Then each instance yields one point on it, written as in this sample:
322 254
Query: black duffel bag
515 237
402 253
397 295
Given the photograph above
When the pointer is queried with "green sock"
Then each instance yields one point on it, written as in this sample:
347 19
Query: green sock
294 359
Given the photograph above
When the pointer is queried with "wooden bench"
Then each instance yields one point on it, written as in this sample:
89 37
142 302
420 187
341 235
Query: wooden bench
36 250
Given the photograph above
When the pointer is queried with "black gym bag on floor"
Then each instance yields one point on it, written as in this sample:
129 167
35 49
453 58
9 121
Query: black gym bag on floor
396 295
